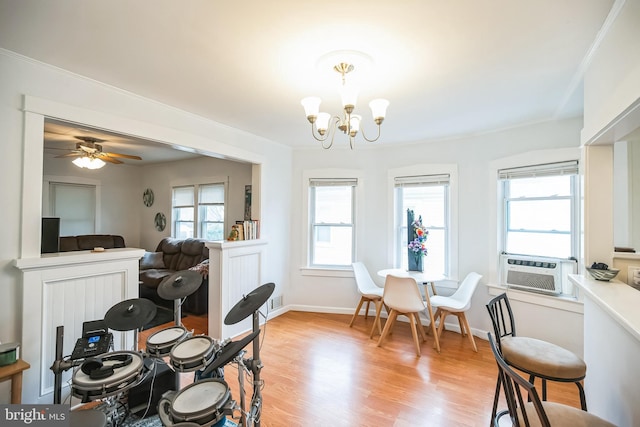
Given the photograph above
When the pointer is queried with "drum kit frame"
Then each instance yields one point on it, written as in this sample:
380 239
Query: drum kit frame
204 403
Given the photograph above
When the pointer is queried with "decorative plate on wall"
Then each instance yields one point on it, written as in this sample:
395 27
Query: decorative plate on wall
160 221
147 197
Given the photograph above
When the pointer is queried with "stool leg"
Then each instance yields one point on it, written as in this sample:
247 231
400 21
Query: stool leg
495 400
544 389
583 400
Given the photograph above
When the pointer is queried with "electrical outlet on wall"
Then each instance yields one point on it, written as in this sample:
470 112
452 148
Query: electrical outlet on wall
633 276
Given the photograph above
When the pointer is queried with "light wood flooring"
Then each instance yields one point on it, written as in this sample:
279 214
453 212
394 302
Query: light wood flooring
320 372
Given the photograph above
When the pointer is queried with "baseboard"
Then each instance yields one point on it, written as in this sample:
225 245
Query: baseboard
482 334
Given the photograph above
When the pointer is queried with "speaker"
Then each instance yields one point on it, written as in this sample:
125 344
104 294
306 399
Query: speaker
97 370
50 238
142 399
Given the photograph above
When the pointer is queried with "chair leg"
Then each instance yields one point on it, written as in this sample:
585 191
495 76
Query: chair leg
495 399
443 315
387 326
366 312
414 332
355 315
421 331
463 331
463 320
379 303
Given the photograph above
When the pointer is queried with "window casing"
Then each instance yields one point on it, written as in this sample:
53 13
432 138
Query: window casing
429 197
332 222
541 210
198 211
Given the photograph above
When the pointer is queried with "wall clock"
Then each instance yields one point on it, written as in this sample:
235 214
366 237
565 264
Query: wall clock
160 221
147 197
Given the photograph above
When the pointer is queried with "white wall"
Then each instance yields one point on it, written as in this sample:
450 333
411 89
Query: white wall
612 81
70 97
476 223
162 177
120 201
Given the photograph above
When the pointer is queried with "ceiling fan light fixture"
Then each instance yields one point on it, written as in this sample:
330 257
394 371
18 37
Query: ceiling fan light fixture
88 162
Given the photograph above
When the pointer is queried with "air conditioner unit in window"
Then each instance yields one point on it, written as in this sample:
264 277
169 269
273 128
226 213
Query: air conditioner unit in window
537 274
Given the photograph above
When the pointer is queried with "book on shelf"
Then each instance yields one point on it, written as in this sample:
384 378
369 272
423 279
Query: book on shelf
249 229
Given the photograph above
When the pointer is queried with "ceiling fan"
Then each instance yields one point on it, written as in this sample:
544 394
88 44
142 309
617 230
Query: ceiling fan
90 149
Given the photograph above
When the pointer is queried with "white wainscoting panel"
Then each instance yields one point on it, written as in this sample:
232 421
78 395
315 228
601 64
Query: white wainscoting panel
235 269
67 289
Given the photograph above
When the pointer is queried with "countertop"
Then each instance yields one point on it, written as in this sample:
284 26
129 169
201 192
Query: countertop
619 300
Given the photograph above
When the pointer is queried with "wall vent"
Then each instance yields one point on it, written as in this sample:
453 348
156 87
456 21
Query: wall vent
275 302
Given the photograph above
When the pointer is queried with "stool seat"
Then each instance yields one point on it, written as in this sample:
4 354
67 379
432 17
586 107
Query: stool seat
542 358
563 415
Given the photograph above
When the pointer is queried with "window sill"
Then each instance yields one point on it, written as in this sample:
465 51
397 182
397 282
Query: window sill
327 271
565 303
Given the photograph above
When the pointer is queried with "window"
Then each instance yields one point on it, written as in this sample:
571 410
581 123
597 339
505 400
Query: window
209 215
332 222
540 210
428 197
75 205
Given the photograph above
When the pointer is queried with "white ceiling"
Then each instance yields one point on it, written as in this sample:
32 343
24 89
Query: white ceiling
449 68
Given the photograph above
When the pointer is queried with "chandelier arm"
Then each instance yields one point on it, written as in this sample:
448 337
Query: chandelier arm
316 138
365 136
332 131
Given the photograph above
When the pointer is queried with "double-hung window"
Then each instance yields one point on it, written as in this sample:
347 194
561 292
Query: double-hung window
198 211
428 196
332 222
540 210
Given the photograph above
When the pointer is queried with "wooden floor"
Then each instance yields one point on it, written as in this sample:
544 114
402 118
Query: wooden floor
319 372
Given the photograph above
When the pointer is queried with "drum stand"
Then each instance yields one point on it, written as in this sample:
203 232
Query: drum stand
253 365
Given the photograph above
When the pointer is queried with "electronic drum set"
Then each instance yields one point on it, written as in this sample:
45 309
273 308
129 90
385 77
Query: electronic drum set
208 400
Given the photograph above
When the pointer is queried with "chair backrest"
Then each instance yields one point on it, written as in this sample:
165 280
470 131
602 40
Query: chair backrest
466 289
501 317
513 386
402 294
365 283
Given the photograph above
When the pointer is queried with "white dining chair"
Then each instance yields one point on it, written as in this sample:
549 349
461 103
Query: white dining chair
369 292
457 304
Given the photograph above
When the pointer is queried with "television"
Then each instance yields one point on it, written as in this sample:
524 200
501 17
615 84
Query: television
50 239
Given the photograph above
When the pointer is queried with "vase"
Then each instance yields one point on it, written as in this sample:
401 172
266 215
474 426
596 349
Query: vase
415 261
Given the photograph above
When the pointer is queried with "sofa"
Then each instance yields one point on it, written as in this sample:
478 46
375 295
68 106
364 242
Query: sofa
173 255
89 241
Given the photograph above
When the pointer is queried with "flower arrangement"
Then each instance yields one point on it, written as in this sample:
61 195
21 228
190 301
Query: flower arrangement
417 245
417 238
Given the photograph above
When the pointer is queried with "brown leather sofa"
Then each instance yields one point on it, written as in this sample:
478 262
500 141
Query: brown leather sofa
89 241
170 256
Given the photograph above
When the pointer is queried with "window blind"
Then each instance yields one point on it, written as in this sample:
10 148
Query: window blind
421 180
549 169
333 182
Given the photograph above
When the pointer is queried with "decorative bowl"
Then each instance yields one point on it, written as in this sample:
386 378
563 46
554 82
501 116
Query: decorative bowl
604 275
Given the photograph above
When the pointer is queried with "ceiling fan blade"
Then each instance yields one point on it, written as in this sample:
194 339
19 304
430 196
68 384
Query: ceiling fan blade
124 156
109 159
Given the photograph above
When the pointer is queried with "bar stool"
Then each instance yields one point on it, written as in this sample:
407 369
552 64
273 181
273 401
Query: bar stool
537 358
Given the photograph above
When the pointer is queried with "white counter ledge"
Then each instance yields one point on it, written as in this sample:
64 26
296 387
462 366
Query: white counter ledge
611 349
619 300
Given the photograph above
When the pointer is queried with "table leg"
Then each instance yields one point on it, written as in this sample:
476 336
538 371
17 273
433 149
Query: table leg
433 326
16 388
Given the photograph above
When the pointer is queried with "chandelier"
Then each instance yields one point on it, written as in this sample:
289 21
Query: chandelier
346 122
89 161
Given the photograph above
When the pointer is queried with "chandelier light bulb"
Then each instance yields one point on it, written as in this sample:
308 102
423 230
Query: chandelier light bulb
311 106
322 123
379 109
